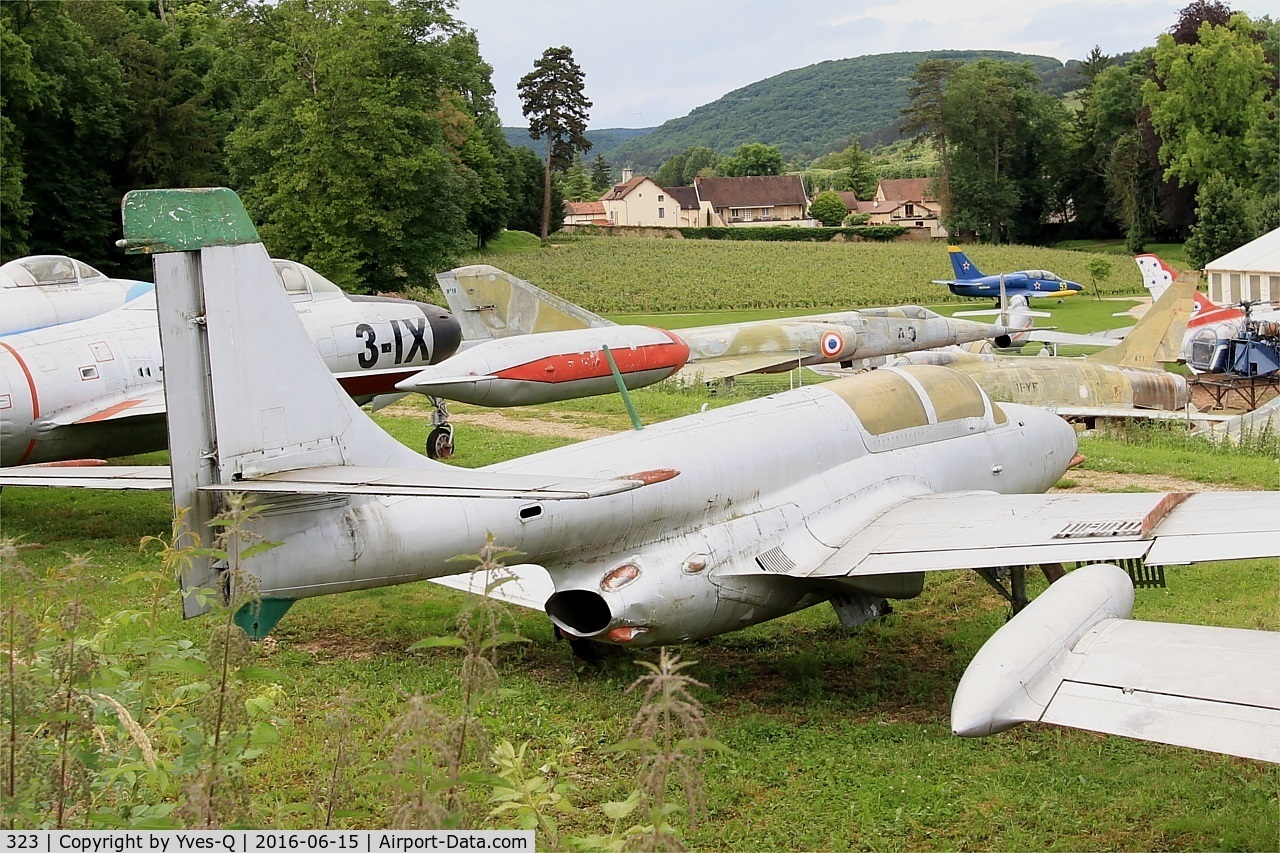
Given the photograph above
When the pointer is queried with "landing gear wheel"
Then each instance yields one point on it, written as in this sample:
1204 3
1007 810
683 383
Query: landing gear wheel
440 442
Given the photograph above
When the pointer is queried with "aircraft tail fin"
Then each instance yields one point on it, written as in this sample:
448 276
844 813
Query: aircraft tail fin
1157 337
490 303
963 268
1156 274
246 393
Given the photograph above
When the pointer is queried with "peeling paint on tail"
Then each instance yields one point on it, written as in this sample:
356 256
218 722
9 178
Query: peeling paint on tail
184 220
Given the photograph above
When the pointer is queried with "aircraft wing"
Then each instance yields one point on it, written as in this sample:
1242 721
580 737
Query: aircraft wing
131 403
944 281
722 367
91 476
974 530
1049 336
1072 657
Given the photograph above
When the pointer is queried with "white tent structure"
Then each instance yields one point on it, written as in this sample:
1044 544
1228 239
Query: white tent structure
1250 272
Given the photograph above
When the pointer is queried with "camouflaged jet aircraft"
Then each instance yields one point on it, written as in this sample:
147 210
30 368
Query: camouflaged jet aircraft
534 347
1127 378
680 531
46 290
93 388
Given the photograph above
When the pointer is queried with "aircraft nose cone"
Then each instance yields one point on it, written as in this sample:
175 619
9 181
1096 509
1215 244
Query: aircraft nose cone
446 332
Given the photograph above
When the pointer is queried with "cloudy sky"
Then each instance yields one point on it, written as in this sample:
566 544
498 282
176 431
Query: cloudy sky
647 61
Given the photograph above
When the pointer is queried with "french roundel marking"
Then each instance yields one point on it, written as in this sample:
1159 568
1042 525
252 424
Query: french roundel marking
832 343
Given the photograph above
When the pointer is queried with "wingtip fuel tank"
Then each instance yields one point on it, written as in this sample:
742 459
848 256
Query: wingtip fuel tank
551 366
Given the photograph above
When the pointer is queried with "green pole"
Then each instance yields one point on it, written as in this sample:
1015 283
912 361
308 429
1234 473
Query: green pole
622 389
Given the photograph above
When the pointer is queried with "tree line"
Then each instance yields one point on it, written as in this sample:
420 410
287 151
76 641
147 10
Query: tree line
361 134
1175 142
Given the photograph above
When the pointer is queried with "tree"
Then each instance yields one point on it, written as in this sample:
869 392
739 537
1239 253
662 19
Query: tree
923 117
828 208
601 175
1222 221
680 170
1196 13
556 108
63 132
752 158
1212 103
1099 269
523 174
1007 151
362 154
576 182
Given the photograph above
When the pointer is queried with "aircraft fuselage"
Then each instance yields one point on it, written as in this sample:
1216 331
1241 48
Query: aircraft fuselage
680 559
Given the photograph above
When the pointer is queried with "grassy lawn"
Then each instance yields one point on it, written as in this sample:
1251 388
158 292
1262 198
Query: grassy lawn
1173 253
835 740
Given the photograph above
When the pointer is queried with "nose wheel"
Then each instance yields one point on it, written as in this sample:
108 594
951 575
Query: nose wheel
440 439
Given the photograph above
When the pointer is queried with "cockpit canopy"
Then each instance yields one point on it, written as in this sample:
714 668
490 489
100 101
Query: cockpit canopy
302 283
38 270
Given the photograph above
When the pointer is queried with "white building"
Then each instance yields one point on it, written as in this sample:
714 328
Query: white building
1251 272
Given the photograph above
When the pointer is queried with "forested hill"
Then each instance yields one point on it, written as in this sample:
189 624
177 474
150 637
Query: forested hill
809 111
603 141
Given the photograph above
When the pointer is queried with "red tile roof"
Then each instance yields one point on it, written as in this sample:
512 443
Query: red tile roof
584 208
906 189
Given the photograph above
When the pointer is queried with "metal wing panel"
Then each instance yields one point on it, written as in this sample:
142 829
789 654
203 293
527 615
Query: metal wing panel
966 530
1073 658
132 403
1188 685
706 370
145 477
1241 730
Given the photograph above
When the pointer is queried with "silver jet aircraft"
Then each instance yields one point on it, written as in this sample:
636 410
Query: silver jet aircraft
535 347
94 388
676 532
46 290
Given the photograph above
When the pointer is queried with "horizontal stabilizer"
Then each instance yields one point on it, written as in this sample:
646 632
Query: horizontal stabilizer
431 482
152 477
1073 658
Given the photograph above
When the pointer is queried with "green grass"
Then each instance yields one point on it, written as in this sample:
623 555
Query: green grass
837 740
1174 253
642 276
507 243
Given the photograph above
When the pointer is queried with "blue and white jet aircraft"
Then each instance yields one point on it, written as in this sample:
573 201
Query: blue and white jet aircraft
971 281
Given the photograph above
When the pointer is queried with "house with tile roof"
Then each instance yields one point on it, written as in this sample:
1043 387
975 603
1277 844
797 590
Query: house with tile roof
585 213
909 202
640 201
755 200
